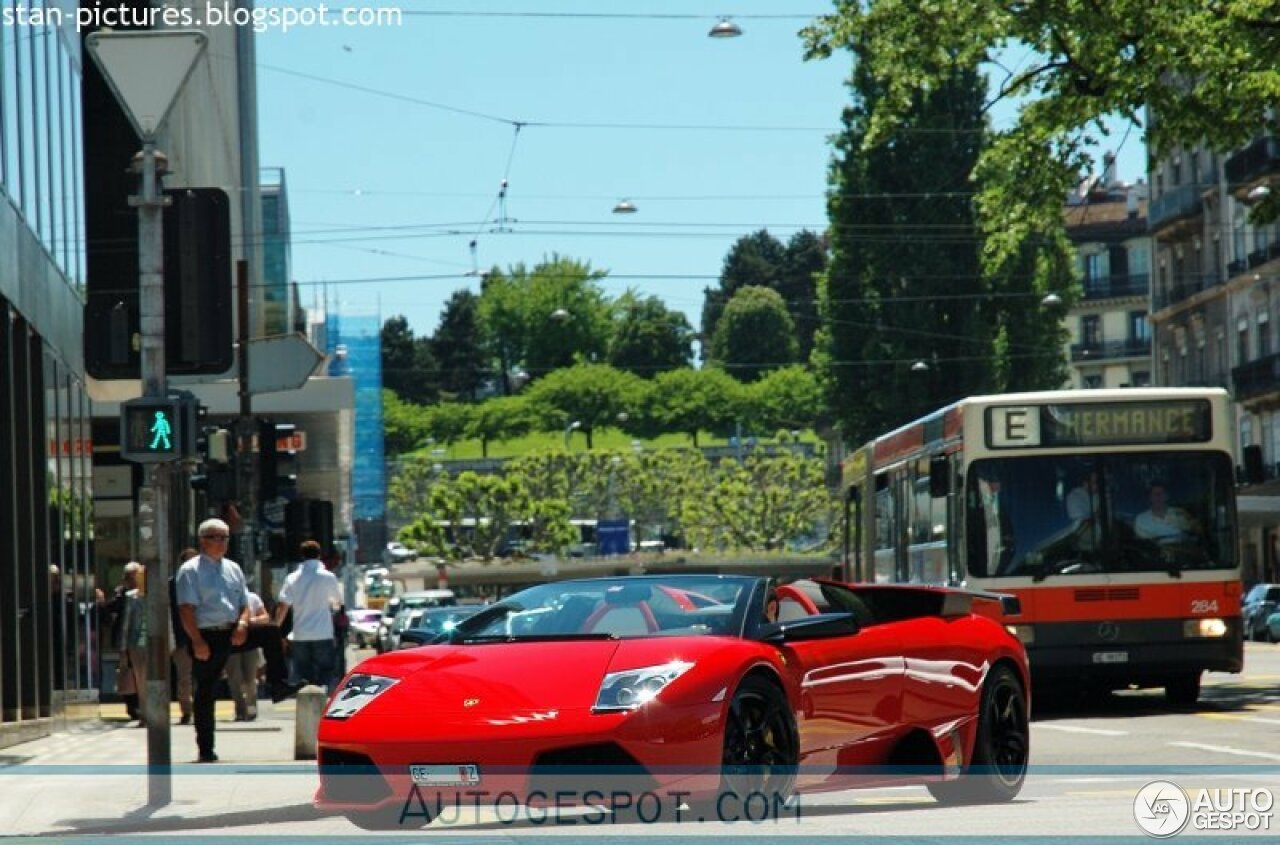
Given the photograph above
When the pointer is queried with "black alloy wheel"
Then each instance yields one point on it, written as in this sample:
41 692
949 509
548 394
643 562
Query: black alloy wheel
1001 749
761 744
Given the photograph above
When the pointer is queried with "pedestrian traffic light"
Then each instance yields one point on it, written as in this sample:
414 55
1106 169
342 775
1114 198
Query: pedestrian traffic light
158 429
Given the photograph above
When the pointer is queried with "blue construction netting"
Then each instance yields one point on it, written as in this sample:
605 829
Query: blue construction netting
362 337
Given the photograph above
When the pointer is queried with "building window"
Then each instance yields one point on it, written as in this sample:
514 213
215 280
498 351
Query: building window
1139 328
1091 330
1264 334
1092 382
1140 378
1242 341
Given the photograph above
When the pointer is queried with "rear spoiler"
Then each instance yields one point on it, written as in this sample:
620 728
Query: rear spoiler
960 602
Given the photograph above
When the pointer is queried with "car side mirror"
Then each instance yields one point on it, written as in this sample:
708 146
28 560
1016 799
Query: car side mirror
821 627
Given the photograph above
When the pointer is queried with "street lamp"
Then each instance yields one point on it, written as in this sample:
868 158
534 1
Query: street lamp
1051 300
725 28
919 367
624 207
568 430
560 315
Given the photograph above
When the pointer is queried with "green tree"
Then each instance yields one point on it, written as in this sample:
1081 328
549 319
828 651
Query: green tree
500 418
754 260
1205 70
650 338
904 281
592 395
447 422
458 346
755 334
759 504
788 398
545 317
803 262
691 401
400 360
490 505
409 486
405 425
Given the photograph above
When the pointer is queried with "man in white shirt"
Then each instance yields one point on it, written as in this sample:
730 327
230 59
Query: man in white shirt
313 593
1162 523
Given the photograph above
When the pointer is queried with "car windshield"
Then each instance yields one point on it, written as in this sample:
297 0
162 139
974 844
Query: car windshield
612 608
1070 515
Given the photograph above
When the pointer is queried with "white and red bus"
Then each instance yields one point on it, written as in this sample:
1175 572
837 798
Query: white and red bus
1110 514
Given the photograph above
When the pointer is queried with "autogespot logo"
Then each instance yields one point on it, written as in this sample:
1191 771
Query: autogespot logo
1161 809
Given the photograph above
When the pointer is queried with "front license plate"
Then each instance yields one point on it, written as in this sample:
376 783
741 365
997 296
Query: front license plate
1111 657
449 774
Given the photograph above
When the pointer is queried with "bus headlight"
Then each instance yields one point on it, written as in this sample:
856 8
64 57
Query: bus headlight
1026 634
1196 628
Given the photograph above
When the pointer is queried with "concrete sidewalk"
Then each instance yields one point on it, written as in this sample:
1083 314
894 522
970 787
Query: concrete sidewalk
92 778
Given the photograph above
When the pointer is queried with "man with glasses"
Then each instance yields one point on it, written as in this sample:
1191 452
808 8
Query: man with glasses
213 604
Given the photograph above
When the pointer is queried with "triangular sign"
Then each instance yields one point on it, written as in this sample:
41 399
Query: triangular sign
146 70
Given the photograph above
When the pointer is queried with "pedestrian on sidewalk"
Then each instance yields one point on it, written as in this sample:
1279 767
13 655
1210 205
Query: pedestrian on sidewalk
242 666
180 646
133 642
213 602
313 593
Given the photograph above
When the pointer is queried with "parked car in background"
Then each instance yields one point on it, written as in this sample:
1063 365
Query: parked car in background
1273 627
397 552
1259 603
409 601
425 625
365 622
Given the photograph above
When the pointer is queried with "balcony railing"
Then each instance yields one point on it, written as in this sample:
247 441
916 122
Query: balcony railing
1253 162
1184 288
1257 377
1177 204
1134 284
1108 349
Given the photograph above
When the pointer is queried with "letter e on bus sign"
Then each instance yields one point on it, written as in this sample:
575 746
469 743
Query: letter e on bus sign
1014 427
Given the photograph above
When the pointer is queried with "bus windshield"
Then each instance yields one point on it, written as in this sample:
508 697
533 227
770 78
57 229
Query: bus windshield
1065 515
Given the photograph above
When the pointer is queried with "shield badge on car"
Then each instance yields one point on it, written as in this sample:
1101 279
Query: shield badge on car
470 702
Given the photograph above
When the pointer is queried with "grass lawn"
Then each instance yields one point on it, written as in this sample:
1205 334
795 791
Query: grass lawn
605 439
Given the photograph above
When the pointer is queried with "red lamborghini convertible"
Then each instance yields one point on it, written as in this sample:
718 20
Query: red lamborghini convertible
683 690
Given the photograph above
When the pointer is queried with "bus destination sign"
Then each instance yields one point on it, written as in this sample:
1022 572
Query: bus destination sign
1112 424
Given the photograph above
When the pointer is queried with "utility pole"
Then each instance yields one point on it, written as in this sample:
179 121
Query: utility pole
245 431
146 70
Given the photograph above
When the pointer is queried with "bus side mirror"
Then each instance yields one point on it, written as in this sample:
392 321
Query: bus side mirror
939 477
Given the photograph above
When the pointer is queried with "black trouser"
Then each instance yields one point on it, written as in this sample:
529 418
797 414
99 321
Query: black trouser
207 673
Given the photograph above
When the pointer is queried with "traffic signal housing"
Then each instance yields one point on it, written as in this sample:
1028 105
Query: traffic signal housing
156 429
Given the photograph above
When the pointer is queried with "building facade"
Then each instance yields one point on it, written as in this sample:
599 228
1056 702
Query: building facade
48 608
1110 332
1214 293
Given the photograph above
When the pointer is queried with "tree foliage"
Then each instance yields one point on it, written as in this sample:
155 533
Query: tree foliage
789 398
592 395
761 503
458 347
408 367
546 317
490 506
691 401
905 282
755 334
500 418
1206 70
649 338
404 424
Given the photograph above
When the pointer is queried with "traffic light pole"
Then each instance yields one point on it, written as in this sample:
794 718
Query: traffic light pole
245 431
157 548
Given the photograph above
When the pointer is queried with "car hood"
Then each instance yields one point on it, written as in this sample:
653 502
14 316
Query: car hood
516 680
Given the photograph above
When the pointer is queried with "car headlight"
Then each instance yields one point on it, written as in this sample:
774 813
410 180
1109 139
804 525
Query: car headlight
629 690
358 691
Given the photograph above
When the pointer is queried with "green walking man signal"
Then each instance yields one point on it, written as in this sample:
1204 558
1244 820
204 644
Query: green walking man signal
155 430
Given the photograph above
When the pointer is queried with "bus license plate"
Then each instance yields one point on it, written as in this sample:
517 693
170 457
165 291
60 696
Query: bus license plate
1111 657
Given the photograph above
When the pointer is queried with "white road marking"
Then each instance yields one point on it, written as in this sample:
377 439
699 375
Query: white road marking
1076 729
1222 749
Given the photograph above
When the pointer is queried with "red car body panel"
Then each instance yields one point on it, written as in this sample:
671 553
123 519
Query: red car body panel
502 706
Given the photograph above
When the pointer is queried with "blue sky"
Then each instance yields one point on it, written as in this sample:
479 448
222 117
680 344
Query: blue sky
395 142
